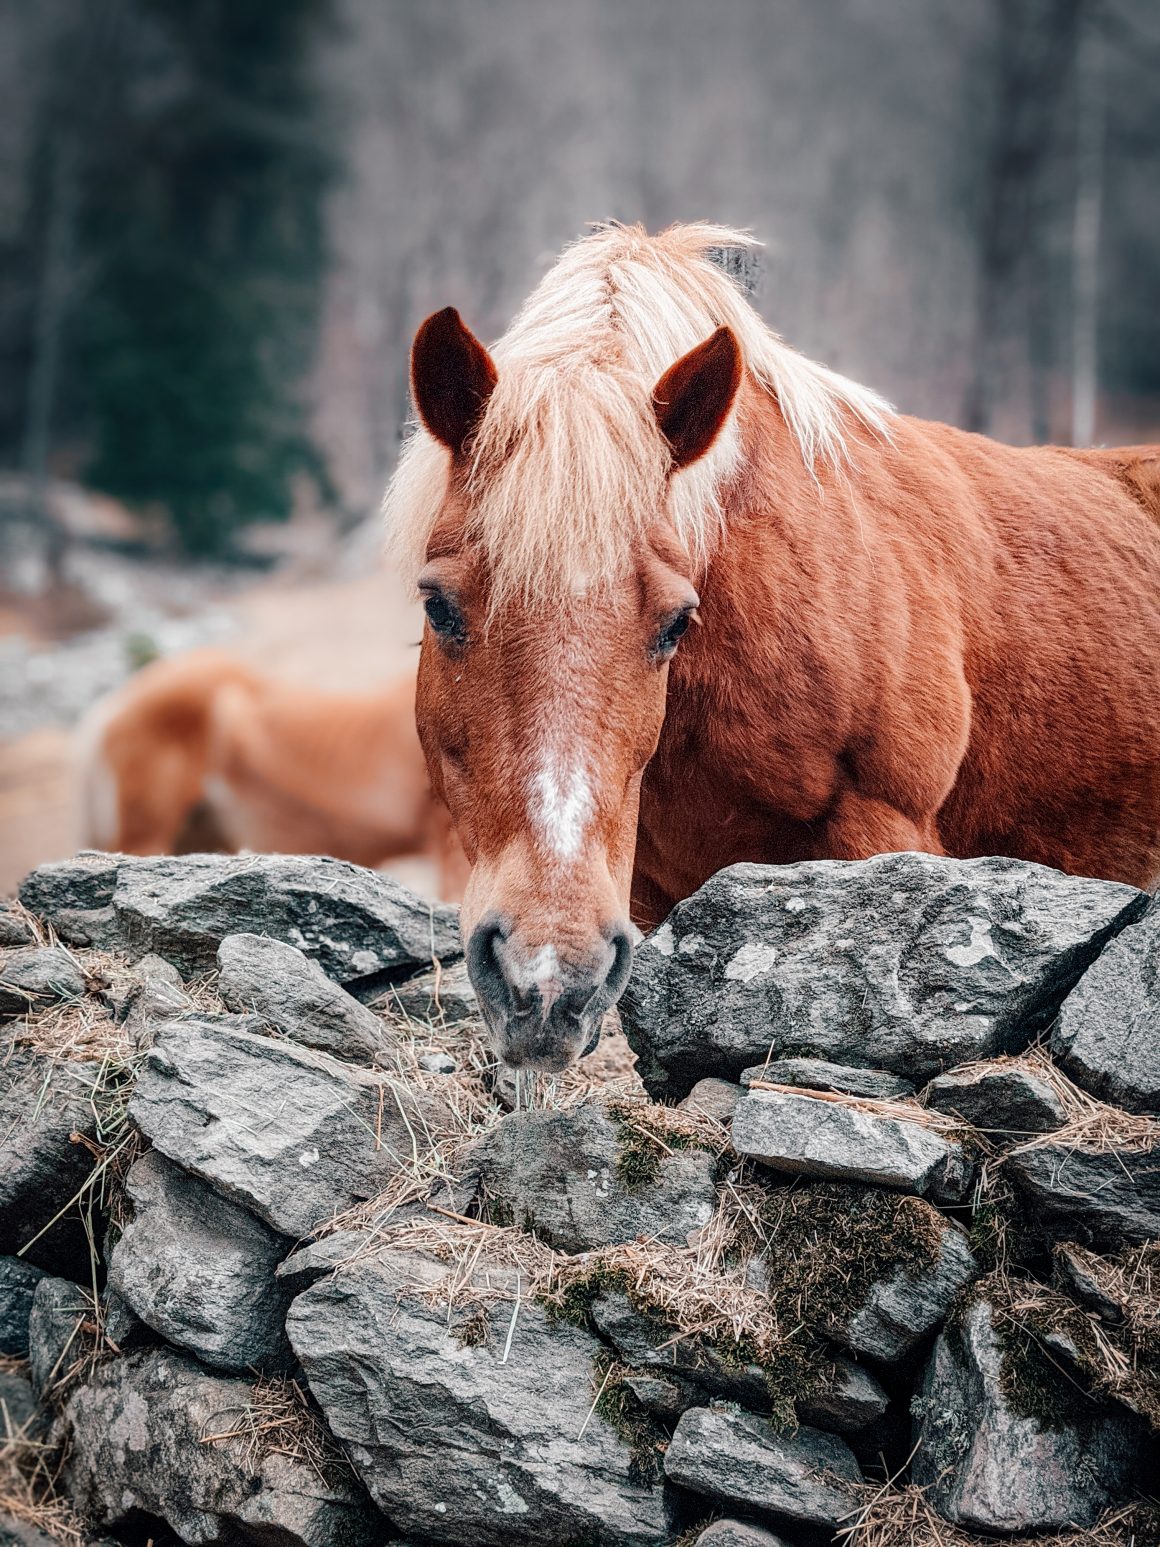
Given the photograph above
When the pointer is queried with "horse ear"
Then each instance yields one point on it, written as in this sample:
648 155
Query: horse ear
693 398
452 376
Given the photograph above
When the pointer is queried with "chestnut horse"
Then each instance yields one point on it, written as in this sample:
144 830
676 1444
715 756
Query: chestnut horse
204 752
899 636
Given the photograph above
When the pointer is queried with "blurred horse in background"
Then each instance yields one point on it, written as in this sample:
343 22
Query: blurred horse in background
203 752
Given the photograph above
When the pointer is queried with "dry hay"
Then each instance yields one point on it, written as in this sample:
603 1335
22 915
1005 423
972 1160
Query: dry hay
892 1516
278 1419
1092 1125
901 1109
1120 1362
30 1467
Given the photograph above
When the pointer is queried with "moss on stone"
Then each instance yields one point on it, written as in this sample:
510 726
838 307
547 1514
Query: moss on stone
620 1408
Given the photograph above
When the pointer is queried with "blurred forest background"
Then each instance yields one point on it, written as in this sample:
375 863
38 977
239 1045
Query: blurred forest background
221 220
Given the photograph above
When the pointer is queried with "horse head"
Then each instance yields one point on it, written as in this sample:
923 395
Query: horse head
556 587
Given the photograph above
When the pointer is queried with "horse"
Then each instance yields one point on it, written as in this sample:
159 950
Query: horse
692 598
204 752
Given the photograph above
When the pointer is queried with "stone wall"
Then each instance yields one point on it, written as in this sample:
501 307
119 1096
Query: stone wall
855 1237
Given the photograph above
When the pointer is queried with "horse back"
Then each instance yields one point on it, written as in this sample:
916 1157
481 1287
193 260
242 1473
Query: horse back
1135 468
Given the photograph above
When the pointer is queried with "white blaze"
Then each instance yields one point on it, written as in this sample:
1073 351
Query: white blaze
560 804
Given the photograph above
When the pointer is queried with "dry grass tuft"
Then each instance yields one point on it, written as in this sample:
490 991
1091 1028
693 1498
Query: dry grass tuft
902 1517
30 1467
1092 1125
279 1420
1122 1361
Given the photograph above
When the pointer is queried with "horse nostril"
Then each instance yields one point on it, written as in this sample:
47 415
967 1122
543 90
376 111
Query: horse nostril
618 972
485 967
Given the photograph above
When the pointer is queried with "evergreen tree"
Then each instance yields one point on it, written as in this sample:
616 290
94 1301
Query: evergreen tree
204 215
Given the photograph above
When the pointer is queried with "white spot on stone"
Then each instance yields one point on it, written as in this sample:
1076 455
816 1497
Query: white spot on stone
977 948
662 939
754 958
691 944
560 805
364 961
845 944
440 1508
308 1158
795 904
510 1502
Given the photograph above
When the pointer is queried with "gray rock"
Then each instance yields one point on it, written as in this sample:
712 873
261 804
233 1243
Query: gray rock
1103 1200
122 1327
906 962
59 1310
354 922
444 997
469 1439
277 982
807 1136
850 1401
713 1098
1003 1100
991 1468
200 1270
737 1533
319 1259
42 1105
560 1174
18 1281
738 1458
76 897
154 992
660 1394
20 1416
902 1310
290 1133
818 1074
647 1343
139 1429
34 978
14 927
1108 1033
18 1533
1073 1269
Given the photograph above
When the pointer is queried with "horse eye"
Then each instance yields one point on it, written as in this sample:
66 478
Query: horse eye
670 636
444 617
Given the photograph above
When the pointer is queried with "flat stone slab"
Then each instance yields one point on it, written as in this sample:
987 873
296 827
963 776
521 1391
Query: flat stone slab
911 963
1103 1200
485 1436
1005 1101
290 1133
736 1457
805 1135
561 1174
818 1074
355 923
989 1466
275 981
1107 1036
200 1270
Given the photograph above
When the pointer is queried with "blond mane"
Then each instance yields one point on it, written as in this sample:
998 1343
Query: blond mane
568 465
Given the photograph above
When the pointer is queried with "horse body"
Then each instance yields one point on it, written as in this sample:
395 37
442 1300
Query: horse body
953 648
909 637
204 751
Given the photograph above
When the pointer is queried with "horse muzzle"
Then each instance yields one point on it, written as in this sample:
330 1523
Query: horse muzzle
544 1009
